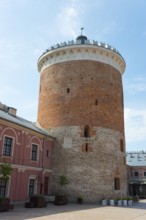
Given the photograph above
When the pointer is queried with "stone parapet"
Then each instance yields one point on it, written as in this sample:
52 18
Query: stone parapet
82 52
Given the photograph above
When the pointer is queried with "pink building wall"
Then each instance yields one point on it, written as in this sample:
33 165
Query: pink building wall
23 167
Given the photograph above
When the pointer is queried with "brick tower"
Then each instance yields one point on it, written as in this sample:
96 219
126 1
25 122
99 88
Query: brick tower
81 104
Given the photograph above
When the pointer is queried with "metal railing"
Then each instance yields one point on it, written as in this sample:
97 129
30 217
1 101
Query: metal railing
78 42
137 178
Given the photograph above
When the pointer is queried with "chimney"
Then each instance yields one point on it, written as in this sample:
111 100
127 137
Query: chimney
12 111
3 107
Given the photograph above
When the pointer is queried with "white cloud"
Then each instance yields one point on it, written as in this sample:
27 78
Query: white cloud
135 125
68 20
136 85
103 32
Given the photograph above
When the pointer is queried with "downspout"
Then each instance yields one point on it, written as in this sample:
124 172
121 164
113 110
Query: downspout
43 146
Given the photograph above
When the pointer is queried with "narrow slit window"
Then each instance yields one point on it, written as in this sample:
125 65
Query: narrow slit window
121 145
96 101
86 131
117 183
68 90
86 147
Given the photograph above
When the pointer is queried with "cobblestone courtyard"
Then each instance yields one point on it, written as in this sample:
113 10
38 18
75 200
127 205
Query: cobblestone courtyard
78 212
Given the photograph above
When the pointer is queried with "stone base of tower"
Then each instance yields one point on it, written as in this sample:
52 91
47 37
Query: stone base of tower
94 166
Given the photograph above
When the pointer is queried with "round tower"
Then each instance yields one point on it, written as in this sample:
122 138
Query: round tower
81 104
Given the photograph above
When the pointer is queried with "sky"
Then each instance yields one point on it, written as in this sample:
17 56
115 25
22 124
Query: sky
29 27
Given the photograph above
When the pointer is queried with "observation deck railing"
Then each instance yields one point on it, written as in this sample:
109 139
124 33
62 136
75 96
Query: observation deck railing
79 42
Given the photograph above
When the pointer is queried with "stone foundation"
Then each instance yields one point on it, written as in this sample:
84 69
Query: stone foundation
90 173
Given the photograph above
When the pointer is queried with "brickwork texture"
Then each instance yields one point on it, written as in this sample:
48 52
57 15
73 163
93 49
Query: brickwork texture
81 104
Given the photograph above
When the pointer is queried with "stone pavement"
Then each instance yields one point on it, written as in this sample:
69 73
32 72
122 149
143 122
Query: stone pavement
78 212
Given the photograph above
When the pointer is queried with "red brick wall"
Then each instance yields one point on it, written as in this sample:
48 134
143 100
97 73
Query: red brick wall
80 93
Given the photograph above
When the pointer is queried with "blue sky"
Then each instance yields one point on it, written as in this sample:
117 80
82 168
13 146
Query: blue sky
29 27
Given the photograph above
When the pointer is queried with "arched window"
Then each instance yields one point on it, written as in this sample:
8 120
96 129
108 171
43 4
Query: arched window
68 90
117 183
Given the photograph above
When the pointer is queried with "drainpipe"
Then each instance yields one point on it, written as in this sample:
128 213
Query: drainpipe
43 146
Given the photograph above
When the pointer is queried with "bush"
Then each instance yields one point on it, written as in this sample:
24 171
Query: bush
36 201
135 198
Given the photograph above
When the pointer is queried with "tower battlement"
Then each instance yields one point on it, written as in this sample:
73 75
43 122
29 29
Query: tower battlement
86 49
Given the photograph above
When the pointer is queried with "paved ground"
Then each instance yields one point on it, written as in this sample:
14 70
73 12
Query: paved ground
78 212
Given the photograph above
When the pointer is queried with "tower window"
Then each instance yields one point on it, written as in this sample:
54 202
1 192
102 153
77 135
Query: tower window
121 145
86 131
86 147
117 183
96 102
68 90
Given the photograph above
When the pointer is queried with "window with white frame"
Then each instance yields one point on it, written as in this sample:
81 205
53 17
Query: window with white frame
3 187
31 187
8 145
34 152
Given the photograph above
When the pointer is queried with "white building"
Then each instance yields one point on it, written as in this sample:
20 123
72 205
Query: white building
136 161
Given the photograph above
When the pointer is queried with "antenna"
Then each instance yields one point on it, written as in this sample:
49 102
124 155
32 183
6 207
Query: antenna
82 30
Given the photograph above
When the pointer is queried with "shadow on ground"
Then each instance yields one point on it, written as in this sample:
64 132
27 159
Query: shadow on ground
21 213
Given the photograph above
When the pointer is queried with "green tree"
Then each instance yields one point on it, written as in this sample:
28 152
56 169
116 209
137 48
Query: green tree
5 171
63 181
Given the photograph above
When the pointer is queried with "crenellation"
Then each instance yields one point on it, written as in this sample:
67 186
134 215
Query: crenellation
103 48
